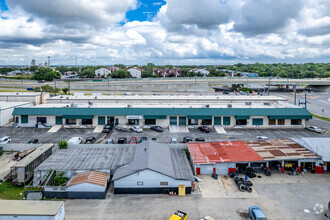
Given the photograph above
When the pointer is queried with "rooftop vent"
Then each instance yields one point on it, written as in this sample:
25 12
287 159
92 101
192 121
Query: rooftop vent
90 103
74 105
229 105
266 103
129 106
247 103
207 106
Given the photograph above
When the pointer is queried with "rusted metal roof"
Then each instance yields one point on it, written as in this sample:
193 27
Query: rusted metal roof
282 149
221 152
93 177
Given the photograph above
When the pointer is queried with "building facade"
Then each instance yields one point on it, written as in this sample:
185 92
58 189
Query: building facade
102 72
135 72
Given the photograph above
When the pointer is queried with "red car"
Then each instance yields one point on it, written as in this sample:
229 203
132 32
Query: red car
133 140
204 129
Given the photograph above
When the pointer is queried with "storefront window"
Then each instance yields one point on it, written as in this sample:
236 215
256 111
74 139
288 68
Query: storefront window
192 121
207 122
70 121
280 121
272 121
241 122
150 121
295 121
87 121
133 121
41 120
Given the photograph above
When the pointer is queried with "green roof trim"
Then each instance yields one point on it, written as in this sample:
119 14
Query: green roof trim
78 116
271 112
290 117
242 117
200 117
154 116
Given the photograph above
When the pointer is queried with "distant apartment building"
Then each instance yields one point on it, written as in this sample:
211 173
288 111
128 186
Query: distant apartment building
102 72
167 72
135 72
204 71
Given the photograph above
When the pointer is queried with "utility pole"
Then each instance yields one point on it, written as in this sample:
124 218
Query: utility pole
306 99
55 86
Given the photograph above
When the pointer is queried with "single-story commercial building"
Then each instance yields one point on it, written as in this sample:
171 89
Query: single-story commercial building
167 111
31 210
220 157
35 97
156 168
7 108
226 156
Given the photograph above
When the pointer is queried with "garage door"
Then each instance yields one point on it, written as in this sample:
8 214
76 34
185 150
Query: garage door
101 120
222 168
206 169
173 121
217 120
257 121
24 119
59 120
182 121
226 120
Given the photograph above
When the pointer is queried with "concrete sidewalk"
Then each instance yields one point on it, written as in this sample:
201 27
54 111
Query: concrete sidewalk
178 129
98 129
55 128
219 129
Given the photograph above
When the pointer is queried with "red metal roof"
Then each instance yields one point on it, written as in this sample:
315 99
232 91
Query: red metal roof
93 177
220 152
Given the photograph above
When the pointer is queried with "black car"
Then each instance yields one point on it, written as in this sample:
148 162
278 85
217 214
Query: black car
156 128
143 139
204 129
154 139
200 139
33 141
90 140
107 128
122 140
187 139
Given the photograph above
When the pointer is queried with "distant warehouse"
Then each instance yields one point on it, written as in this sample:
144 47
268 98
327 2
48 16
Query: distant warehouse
226 111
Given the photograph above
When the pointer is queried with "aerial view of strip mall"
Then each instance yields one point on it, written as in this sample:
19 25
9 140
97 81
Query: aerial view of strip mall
164 110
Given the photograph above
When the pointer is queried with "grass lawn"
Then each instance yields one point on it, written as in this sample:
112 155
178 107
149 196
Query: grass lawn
320 117
10 191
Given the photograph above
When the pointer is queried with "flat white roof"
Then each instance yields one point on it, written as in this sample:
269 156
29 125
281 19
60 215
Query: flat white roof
29 207
4 105
21 93
32 156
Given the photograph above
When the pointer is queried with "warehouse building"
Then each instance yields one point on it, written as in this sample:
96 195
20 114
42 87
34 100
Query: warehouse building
31 210
23 170
7 108
228 156
166 111
156 168
32 97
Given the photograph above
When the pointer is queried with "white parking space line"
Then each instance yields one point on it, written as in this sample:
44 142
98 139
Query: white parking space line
55 128
98 129
178 129
219 129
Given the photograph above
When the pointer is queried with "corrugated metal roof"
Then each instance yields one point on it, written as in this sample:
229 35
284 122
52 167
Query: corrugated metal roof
88 159
283 149
159 158
31 208
34 155
221 152
320 146
301 112
92 177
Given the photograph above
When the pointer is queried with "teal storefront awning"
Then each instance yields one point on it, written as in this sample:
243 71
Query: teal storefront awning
78 116
290 117
154 116
242 117
199 117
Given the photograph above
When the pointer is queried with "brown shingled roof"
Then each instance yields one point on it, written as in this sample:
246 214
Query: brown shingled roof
93 177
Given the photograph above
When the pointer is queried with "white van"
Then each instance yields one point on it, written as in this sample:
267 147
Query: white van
75 140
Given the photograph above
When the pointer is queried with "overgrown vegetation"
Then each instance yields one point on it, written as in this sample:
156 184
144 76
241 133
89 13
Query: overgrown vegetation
65 90
44 73
63 144
320 117
10 191
47 88
59 179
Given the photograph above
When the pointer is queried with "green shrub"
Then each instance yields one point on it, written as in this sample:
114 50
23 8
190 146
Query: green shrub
63 144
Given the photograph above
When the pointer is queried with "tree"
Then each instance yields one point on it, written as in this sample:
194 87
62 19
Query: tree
33 68
65 90
121 74
121 66
148 71
87 73
62 69
74 69
47 74
46 88
63 144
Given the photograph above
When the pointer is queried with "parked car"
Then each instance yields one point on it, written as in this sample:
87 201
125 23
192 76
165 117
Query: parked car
204 129
137 128
226 93
314 128
107 128
90 140
154 139
156 128
123 128
33 141
187 139
75 140
133 140
174 141
5 140
255 213
262 138
257 167
109 141
199 139
122 140
143 139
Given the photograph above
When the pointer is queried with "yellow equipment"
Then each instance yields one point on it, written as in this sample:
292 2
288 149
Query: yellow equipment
179 215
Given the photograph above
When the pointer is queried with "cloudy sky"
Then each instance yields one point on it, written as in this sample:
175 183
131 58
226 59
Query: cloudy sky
164 32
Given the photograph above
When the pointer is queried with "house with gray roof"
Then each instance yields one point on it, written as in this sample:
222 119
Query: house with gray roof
155 168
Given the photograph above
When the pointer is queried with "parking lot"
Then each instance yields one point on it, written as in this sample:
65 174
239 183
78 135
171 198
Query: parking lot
23 135
279 196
